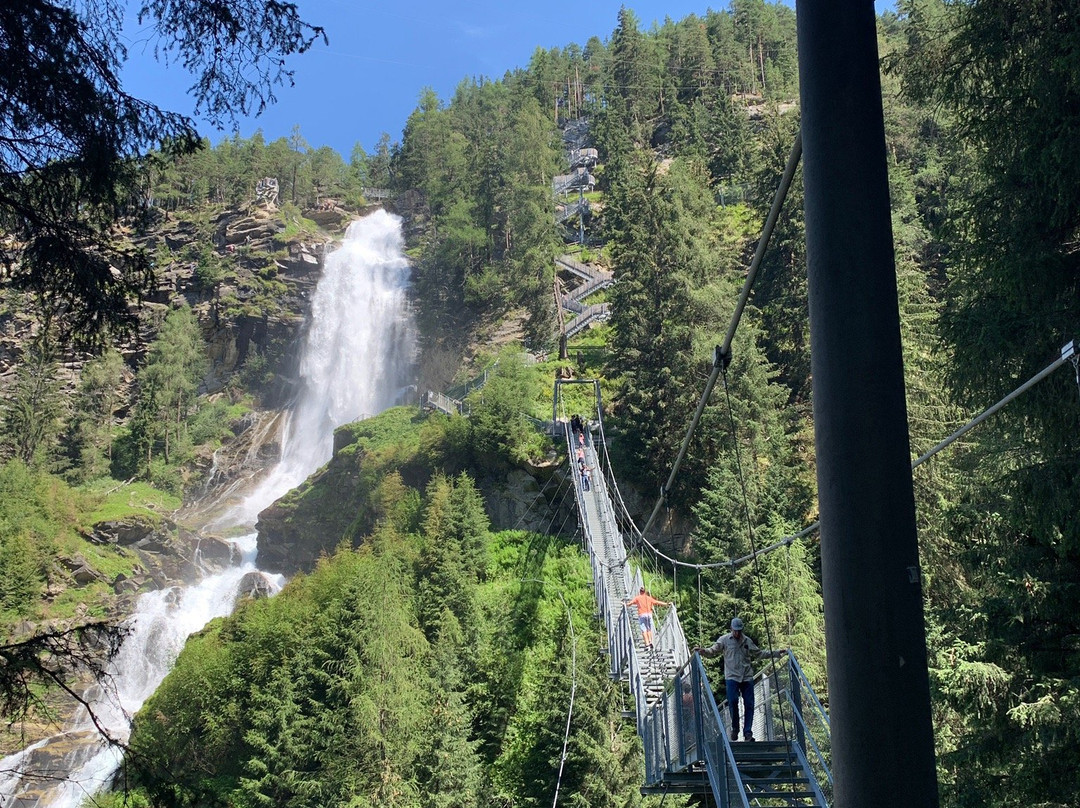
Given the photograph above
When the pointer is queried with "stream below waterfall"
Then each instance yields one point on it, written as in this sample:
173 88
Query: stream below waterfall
357 360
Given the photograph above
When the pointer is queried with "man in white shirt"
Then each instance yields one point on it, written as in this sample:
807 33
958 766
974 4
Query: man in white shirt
738 649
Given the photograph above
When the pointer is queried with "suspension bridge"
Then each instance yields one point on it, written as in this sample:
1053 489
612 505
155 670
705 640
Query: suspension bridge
684 730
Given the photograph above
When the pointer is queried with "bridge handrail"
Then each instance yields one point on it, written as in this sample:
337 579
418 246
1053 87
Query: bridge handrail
443 402
617 633
577 177
670 636
801 676
812 729
570 209
599 281
572 304
581 270
806 743
596 311
687 698
719 760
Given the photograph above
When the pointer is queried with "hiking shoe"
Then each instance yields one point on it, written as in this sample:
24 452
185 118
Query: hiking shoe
748 737
735 736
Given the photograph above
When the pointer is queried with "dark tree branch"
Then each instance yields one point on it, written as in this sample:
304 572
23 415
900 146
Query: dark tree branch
72 141
57 658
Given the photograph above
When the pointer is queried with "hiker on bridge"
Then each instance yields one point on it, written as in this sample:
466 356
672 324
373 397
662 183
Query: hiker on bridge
584 471
645 602
737 649
575 423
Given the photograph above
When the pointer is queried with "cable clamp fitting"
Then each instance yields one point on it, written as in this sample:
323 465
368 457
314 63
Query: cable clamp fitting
721 359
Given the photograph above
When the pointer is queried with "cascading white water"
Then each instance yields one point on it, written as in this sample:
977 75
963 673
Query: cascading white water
358 354
357 360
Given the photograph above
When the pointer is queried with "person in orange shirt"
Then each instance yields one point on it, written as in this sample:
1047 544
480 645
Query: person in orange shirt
645 602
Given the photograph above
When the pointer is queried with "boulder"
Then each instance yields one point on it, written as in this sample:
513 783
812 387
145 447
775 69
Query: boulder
124 532
253 586
327 216
86 575
214 551
125 586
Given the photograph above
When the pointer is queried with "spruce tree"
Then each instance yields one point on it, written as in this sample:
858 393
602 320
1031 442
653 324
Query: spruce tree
91 430
661 248
34 410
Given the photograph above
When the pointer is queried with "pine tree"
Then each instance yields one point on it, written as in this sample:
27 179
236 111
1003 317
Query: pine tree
96 400
34 410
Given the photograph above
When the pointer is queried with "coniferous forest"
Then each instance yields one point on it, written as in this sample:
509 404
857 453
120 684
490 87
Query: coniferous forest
426 658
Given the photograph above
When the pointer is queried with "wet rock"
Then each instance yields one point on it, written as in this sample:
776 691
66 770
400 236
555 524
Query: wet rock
253 586
215 551
38 768
244 423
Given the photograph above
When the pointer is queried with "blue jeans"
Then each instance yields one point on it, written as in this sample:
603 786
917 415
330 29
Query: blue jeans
746 690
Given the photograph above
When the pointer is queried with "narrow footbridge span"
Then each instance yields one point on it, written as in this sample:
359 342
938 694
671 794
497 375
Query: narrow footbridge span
684 731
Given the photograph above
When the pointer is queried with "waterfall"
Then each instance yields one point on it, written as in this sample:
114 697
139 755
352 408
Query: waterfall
357 360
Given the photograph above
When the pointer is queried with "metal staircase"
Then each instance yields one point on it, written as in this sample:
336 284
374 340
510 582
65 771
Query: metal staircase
774 774
595 280
684 731
568 210
578 178
581 159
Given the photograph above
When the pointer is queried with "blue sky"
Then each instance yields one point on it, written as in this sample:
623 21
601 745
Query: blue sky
382 54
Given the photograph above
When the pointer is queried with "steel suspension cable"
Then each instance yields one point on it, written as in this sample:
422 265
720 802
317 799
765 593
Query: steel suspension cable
753 548
1070 352
722 354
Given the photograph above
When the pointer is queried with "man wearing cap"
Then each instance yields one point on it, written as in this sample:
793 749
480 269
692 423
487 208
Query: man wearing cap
737 649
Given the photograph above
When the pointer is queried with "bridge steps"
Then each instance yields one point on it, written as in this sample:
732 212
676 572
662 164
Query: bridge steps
772 774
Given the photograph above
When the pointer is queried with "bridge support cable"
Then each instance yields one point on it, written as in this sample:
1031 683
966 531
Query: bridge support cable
1070 352
722 354
766 235
879 688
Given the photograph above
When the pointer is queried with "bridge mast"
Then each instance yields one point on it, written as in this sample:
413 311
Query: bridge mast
879 695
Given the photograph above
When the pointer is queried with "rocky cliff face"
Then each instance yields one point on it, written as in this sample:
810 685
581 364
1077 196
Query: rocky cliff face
248 274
